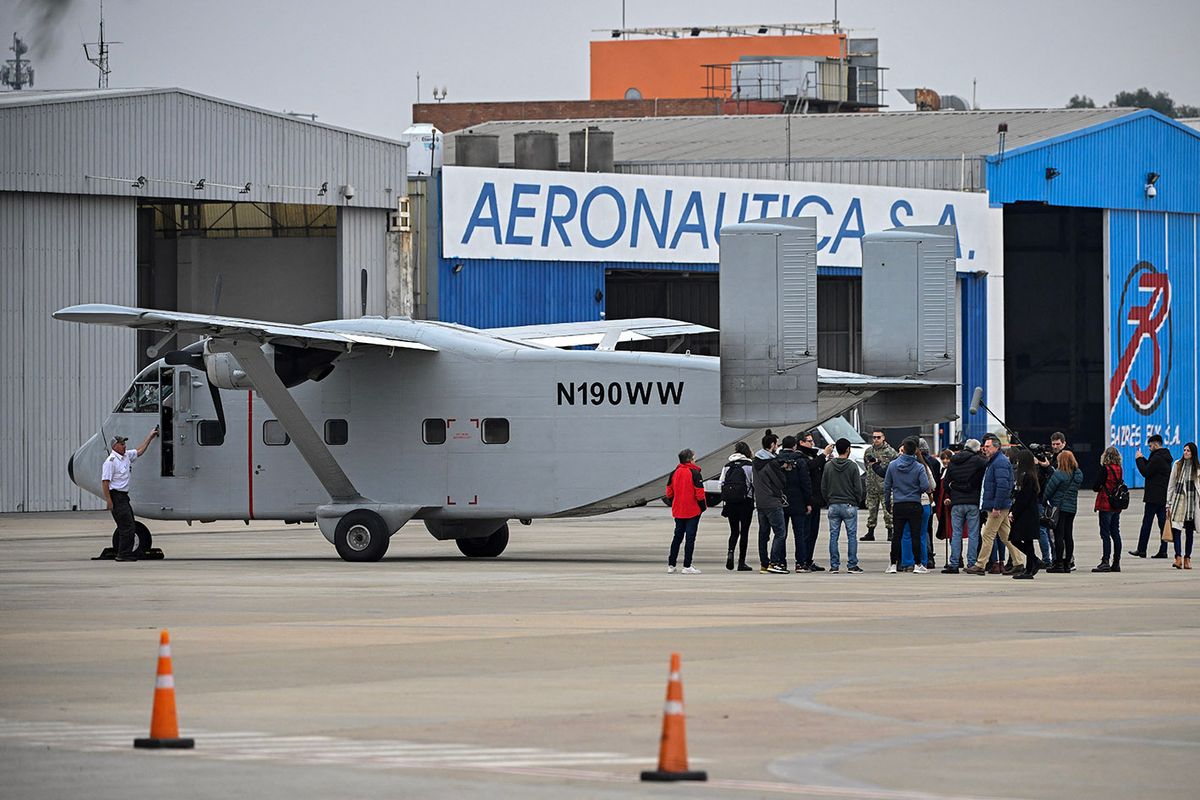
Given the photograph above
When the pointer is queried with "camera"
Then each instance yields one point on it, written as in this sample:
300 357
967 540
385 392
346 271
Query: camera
1042 452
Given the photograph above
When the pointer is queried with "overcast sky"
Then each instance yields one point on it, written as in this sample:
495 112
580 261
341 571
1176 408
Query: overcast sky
353 62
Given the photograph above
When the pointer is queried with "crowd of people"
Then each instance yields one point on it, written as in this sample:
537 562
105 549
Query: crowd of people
1015 507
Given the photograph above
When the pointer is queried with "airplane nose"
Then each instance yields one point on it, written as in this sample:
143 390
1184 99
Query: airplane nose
84 465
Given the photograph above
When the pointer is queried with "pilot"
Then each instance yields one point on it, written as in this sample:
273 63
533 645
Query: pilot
114 477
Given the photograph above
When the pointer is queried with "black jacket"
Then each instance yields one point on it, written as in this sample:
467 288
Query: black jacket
965 474
798 478
1157 471
770 485
816 468
1026 511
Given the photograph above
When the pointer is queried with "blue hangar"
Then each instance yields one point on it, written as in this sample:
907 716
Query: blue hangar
1077 234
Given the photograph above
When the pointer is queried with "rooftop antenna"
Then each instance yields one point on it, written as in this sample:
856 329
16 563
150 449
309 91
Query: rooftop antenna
100 59
17 73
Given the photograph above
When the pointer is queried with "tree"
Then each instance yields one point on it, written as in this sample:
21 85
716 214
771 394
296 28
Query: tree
1159 101
1081 101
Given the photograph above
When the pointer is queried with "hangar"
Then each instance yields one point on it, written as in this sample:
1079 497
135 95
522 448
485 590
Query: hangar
1085 321
169 199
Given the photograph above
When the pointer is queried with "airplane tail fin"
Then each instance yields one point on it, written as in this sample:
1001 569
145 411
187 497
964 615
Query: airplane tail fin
768 311
909 322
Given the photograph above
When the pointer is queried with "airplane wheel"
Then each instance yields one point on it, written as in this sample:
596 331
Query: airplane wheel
361 536
142 541
486 546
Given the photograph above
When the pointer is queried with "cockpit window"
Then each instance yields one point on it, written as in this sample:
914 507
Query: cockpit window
142 398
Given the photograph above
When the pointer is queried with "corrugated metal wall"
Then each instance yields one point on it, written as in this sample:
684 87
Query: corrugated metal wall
1153 296
170 135
973 324
929 173
488 293
362 244
58 382
1105 166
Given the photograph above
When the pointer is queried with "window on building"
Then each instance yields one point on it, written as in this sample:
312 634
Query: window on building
337 431
433 431
495 431
274 434
209 433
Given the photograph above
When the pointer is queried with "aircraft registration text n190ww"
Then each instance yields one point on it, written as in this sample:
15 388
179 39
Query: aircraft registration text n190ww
364 424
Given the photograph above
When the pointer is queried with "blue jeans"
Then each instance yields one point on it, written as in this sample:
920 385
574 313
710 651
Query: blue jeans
770 520
1153 511
843 513
1110 534
964 517
1047 550
684 528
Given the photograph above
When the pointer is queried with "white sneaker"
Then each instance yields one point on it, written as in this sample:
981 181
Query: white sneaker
670 568
690 571
891 570
920 569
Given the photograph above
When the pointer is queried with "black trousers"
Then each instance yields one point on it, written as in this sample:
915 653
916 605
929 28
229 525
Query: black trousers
1152 512
814 528
1064 537
740 515
122 514
904 512
797 519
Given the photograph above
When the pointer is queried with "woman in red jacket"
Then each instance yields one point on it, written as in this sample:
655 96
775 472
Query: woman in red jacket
685 490
1108 480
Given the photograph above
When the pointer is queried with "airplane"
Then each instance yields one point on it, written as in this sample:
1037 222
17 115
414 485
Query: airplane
362 425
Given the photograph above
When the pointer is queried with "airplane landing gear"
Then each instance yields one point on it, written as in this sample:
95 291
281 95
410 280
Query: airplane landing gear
486 546
361 535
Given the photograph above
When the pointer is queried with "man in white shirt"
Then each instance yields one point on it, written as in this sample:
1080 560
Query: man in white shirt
114 477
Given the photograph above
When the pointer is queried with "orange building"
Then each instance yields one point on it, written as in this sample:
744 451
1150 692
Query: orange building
675 68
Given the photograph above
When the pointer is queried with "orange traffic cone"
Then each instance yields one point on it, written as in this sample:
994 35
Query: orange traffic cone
672 750
164 728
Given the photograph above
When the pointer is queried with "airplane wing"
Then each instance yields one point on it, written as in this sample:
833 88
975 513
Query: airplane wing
604 333
225 327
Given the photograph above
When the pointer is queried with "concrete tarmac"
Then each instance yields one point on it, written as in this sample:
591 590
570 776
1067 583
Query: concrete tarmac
542 673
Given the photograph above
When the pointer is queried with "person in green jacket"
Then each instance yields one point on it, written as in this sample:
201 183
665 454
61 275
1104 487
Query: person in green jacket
1062 492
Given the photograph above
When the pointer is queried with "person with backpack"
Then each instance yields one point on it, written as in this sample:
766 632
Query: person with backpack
1112 497
1062 492
799 497
685 490
737 500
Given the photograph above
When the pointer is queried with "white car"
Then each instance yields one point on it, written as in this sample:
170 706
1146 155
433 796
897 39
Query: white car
826 433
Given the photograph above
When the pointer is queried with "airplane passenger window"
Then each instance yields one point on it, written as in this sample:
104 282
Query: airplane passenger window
495 431
337 431
209 433
274 434
433 431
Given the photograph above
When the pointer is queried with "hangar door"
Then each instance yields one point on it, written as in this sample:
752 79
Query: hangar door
273 261
1054 326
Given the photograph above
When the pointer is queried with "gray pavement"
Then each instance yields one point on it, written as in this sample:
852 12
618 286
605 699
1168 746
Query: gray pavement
542 673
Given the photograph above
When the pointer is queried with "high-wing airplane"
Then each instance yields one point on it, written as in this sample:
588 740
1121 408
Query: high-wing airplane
364 424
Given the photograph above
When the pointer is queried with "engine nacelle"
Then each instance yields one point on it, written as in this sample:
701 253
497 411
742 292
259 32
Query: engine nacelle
224 372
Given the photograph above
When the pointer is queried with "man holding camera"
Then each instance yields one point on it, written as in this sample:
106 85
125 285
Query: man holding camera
1157 471
881 453
1047 462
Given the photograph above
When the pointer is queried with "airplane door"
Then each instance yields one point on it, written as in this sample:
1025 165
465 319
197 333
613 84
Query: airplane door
177 422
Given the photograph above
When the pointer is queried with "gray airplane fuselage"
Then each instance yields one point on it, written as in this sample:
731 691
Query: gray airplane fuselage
588 432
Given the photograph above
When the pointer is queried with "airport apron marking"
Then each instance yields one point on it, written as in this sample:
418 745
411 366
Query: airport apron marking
616 393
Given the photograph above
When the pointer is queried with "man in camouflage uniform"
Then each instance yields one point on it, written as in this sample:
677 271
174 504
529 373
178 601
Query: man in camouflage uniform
882 452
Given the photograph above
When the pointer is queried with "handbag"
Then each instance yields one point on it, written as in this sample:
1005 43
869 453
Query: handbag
1168 532
1050 515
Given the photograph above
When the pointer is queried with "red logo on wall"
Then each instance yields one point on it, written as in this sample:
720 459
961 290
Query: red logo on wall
1145 308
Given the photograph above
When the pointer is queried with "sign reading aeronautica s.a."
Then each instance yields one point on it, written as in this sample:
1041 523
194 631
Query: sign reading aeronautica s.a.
572 216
